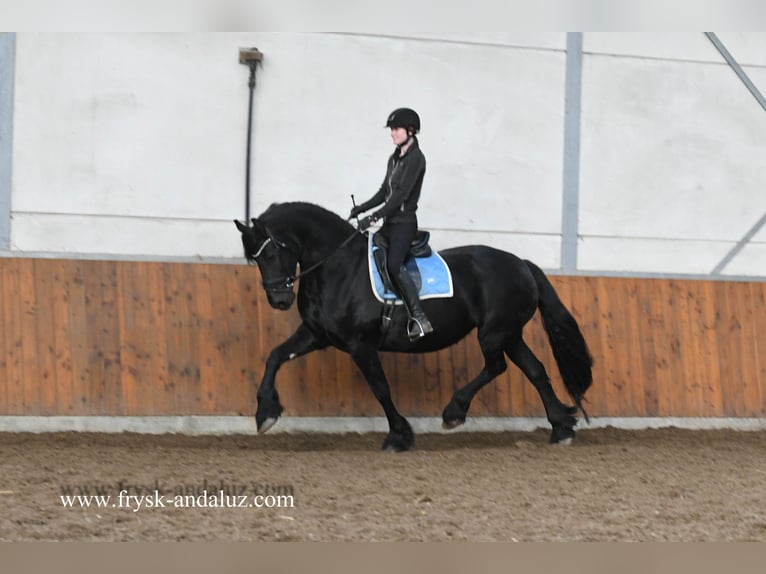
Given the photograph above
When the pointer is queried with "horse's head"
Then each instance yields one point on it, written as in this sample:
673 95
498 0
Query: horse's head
276 262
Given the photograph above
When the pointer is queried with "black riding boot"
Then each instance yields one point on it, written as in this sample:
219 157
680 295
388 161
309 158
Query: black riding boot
418 326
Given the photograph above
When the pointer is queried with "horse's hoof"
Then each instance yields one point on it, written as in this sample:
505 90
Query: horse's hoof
452 424
266 425
395 448
399 442
562 435
454 415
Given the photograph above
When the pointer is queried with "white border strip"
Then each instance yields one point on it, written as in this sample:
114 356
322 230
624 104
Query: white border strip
227 425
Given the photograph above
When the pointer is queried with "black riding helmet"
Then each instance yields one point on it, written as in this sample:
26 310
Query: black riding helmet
403 118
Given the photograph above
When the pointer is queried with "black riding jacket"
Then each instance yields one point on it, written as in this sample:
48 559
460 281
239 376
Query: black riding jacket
400 190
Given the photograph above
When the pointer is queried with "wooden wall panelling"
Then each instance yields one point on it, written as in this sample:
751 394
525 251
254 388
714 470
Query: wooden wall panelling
413 379
688 393
6 346
13 398
176 357
30 380
77 338
446 376
611 375
758 319
748 354
144 338
60 272
134 334
666 348
346 379
157 312
228 338
758 292
711 326
101 340
649 321
42 316
432 385
211 363
729 336
597 335
701 328
635 310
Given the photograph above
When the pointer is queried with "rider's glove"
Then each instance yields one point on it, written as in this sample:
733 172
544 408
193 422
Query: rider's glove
365 222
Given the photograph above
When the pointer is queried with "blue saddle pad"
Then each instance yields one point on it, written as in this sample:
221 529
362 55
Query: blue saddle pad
436 277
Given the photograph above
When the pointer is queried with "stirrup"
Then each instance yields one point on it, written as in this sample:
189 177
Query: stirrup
418 328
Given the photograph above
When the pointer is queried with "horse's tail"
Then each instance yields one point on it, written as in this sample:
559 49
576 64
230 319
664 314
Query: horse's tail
569 347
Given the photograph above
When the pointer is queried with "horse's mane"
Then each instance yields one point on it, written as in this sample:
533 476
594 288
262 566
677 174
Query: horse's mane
304 214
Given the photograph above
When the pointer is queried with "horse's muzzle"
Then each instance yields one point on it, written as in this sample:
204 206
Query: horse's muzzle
281 300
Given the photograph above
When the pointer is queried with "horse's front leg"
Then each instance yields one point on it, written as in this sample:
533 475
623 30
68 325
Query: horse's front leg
400 436
269 408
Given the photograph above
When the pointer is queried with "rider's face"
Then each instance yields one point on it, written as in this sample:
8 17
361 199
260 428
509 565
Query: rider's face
399 135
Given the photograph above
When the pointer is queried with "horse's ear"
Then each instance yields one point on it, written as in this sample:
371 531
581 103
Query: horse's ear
258 226
241 226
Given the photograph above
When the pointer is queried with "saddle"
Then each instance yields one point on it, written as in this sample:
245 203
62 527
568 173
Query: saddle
418 248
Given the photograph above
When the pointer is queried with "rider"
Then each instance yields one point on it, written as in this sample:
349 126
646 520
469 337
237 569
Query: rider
399 195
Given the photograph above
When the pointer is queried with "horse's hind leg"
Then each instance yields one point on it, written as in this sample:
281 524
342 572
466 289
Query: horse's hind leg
560 416
400 436
455 412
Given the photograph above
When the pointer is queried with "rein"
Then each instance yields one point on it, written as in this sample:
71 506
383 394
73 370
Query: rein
288 281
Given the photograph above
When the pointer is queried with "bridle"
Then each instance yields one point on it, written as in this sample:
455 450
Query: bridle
274 285
287 282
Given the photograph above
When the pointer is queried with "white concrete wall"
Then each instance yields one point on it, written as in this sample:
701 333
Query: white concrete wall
134 144
673 154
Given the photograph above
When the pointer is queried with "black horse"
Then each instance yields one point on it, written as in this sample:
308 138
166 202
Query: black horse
494 291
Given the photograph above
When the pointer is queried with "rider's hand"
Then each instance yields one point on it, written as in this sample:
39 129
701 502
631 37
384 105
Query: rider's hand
365 223
355 211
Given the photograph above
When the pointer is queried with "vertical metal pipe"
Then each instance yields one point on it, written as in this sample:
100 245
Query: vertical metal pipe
7 80
570 208
251 85
251 57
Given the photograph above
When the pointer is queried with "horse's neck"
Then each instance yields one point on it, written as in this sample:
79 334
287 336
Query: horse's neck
316 244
